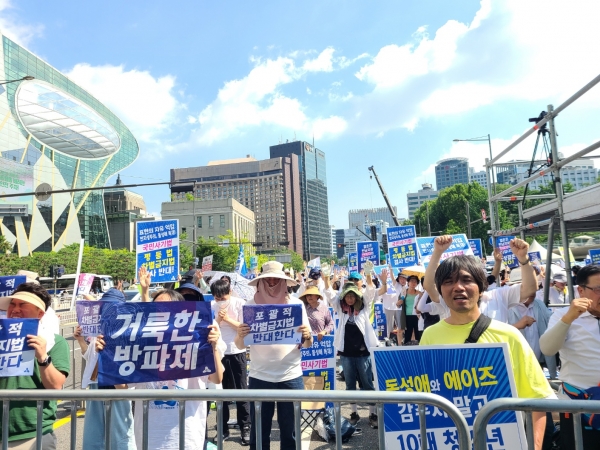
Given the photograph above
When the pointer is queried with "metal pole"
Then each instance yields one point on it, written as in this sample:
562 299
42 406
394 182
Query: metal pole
520 208
76 284
559 202
428 225
489 189
549 248
468 219
494 180
194 224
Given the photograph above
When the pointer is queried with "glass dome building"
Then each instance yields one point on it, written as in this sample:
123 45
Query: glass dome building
54 135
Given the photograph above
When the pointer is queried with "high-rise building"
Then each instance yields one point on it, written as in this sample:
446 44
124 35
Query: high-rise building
270 188
380 228
346 240
415 200
316 235
356 217
54 135
479 177
451 171
333 246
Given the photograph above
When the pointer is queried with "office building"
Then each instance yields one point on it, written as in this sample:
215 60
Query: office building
313 187
451 171
415 200
346 240
212 218
333 246
270 188
356 217
478 177
54 135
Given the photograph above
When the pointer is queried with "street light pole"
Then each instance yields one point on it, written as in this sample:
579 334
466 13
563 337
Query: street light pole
468 219
25 78
428 225
194 221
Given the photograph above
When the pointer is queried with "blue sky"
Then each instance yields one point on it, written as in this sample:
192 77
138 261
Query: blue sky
389 84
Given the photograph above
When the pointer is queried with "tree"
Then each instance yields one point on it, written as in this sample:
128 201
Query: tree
5 246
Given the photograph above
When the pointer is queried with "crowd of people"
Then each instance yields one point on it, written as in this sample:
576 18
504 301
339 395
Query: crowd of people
453 302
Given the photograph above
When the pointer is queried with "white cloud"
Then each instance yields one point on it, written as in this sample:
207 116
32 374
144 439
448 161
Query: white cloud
322 63
146 104
15 29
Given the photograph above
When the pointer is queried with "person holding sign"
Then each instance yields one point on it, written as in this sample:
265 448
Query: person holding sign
353 339
275 366
462 281
30 301
574 332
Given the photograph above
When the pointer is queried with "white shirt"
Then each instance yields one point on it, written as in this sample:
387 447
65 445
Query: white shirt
531 333
494 304
228 332
91 358
580 353
163 417
277 362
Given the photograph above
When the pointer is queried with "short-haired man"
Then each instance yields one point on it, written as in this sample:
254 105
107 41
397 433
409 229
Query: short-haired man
574 332
51 368
461 281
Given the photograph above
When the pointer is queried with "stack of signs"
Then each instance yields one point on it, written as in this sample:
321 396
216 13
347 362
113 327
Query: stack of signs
594 256
319 361
503 243
535 256
207 263
352 262
155 342
469 376
84 285
89 316
9 284
273 324
402 246
379 322
476 247
460 246
367 251
157 248
16 356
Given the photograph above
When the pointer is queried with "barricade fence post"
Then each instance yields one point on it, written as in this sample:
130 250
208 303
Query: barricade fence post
40 414
379 398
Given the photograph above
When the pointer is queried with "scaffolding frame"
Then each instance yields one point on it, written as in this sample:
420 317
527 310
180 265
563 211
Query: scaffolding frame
555 169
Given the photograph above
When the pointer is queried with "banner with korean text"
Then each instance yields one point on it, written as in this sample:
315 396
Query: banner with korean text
319 361
155 341
352 262
502 242
367 251
16 356
460 246
535 256
402 246
84 286
89 315
477 247
469 376
157 248
8 284
273 324
379 322
594 256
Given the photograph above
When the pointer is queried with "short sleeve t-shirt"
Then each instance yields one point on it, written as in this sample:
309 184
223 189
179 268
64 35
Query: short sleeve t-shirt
228 333
23 414
277 362
529 378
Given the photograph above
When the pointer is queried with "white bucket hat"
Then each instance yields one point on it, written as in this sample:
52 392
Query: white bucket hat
272 269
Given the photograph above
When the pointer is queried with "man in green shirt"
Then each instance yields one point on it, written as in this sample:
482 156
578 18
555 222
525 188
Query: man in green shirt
30 301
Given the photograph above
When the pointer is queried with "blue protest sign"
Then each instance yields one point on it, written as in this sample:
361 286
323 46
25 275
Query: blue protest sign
89 315
594 256
402 246
157 248
502 242
587 260
336 318
319 361
155 341
469 376
476 247
16 356
379 322
9 284
273 324
367 251
352 262
535 256
460 246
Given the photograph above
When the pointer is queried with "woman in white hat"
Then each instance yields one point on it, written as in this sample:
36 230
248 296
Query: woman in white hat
275 366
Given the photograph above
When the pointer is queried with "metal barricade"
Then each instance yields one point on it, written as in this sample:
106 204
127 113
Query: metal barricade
220 396
530 405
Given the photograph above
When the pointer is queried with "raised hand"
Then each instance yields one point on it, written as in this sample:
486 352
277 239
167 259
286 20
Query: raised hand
442 243
519 248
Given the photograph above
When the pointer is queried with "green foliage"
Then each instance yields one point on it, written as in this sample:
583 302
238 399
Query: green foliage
189 197
120 264
186 256
5 246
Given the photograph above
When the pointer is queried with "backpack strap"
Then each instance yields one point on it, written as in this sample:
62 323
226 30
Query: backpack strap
479 327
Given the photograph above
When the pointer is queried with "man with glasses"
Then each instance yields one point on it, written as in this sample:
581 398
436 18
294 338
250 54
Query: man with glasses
574 332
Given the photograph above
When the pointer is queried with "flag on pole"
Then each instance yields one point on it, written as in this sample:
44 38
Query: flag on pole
240 265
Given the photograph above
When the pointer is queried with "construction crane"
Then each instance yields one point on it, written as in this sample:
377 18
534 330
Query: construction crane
385 197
